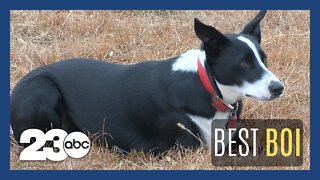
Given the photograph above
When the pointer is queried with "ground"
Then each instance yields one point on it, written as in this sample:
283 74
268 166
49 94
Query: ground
38 38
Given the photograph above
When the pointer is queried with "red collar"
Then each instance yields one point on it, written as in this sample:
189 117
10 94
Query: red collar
216 101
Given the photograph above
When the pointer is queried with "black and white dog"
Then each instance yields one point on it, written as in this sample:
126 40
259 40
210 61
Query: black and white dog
139 106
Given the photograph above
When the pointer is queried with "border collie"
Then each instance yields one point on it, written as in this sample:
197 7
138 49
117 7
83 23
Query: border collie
143 106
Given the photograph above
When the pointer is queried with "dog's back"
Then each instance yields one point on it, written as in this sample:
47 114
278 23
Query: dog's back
126 105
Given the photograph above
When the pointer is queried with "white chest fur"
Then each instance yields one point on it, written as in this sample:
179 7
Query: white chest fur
204 125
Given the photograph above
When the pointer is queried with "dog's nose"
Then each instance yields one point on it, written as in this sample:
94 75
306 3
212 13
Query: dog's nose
276 88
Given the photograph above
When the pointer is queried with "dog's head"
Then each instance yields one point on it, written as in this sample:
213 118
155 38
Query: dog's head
238 63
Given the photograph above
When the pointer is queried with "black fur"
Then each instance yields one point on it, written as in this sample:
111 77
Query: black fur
253 28
138 106
133 106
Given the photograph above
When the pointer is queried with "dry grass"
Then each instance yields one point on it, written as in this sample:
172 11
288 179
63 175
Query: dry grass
43 37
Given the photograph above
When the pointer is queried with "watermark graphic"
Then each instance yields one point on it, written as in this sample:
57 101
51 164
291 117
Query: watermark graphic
257 143
54 145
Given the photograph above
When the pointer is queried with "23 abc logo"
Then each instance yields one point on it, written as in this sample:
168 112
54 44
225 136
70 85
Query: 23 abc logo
75 145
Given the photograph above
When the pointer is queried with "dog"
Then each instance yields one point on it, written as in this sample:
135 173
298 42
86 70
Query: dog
154 105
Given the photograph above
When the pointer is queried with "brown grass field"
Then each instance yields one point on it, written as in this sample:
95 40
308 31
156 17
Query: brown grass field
38 38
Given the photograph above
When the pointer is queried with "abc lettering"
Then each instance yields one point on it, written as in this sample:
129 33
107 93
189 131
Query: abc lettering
76 144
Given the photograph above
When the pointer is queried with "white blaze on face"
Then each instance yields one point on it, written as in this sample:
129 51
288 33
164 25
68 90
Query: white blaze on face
260 88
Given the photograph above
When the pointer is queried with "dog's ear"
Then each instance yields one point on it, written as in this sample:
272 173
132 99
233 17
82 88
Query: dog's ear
208 34
253 27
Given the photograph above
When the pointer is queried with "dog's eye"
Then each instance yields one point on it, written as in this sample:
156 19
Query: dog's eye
245 63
